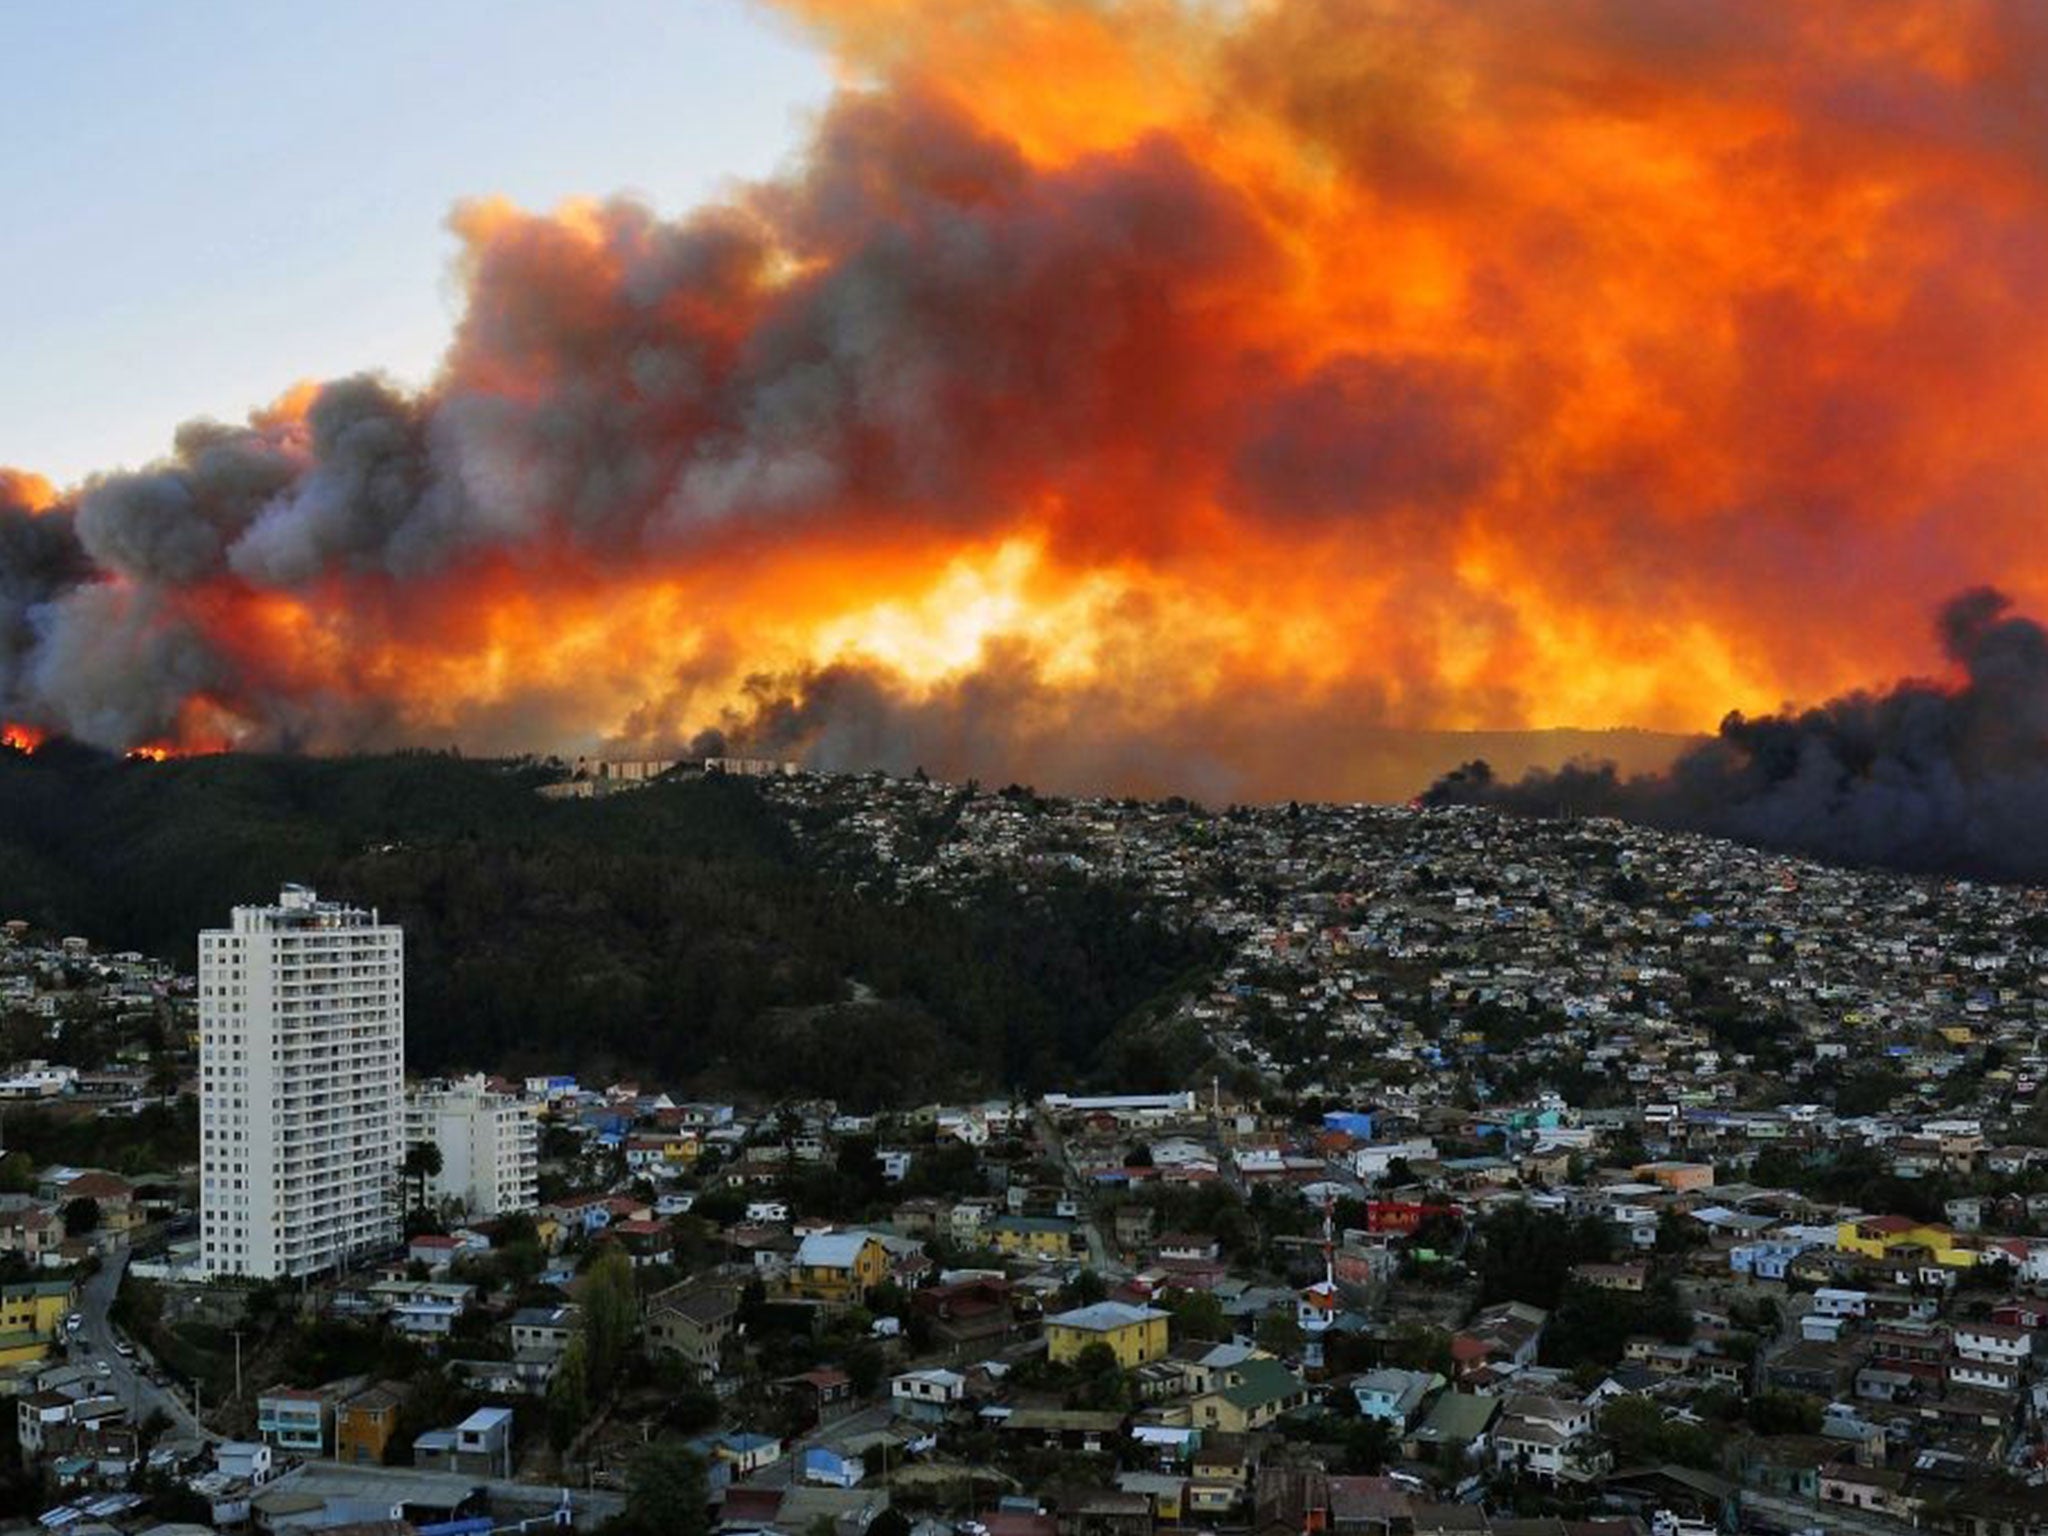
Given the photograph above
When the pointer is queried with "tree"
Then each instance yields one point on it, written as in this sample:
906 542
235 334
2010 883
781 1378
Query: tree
1085 1289
1784 1413
1198 1315
1368 1444
1525 1255
1279 1334
611 1317
569 1396
423 1164
81 1216
1099 1380
666 1494
17 1174
864 1368
1640 1433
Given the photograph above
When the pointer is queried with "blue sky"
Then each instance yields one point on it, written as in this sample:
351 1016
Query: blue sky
208 200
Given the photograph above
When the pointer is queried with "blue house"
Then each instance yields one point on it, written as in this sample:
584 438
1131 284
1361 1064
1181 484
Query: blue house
833 1469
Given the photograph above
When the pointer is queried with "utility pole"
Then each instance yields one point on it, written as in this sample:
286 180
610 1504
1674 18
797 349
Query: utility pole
238 1365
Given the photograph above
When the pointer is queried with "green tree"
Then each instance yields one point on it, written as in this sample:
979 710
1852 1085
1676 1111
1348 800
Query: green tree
423 1164
666 1494
81 1216
1084 1290
1368 1444
17 1174
1099 1380
1198 1315
1279 1334
569 1395
611 1317
1784 1413
864 1368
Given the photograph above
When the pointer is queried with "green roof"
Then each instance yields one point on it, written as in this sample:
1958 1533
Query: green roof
1264 1382
36 1288
1460 1417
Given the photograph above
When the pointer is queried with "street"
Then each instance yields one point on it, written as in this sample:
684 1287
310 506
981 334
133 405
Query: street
96 1337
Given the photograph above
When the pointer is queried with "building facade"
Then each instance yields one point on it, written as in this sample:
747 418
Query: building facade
490 1146
1133 1334
301 1050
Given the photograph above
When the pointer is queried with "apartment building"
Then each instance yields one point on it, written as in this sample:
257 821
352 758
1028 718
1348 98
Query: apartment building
301 1051
490 1145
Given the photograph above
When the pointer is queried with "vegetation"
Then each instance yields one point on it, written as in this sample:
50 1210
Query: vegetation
679 931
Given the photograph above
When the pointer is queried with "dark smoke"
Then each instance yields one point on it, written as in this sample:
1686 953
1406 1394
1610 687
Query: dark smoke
1921 778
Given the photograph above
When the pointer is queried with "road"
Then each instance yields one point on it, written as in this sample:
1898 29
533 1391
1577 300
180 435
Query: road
1100 1258
96 1338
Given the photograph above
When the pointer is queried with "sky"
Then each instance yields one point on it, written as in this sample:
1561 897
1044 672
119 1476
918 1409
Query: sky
213 199
1132 394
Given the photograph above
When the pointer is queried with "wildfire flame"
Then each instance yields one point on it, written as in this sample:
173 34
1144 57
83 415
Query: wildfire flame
1135 393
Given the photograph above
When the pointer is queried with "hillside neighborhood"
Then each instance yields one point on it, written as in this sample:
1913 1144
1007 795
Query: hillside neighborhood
1532 1177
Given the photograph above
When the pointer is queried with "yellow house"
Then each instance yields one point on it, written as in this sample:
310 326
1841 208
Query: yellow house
1037 1237
838 1267
1251 1395
1134 1334
1879 1237
35 1306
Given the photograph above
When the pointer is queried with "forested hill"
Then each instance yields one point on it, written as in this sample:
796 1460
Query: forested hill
676 932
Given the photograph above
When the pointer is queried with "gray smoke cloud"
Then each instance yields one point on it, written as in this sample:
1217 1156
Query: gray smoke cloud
40 558
1922 777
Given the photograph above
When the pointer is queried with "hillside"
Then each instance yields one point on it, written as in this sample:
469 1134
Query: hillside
676 932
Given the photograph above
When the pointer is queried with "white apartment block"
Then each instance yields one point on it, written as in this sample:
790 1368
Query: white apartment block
301 1053
490 1146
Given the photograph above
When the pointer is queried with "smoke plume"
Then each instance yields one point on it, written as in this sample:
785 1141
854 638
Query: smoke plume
1154 394
1922 777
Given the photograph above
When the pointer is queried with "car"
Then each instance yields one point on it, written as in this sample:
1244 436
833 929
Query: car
124 1349
75 1321
101 1368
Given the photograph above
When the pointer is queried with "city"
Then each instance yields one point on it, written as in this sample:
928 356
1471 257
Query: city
1024 768
1515 1171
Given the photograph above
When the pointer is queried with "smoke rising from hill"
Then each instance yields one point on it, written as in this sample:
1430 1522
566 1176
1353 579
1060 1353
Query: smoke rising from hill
1150 395
1922 777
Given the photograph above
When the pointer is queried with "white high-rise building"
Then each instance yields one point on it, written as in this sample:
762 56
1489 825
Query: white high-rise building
490 1145
302 1062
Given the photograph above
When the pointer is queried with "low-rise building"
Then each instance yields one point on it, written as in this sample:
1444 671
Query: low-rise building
1133 1334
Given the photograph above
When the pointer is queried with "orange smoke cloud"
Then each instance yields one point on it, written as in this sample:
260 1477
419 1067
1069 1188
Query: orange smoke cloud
1120 387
